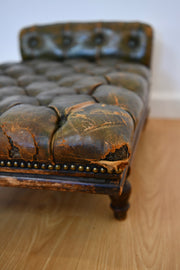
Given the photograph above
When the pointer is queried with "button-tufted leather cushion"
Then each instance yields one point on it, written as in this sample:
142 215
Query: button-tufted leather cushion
128 41
74 116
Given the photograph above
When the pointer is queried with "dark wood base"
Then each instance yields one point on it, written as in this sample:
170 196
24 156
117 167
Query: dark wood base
119 203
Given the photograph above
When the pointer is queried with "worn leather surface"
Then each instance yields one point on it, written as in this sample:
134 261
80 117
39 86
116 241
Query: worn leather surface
71 112
130 41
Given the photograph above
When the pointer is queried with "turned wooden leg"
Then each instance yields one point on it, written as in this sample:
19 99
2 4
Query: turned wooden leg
119 203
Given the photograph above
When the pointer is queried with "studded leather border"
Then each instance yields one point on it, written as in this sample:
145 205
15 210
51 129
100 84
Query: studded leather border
56 167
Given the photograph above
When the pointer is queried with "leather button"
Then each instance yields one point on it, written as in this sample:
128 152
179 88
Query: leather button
66 40
34 42
133 42
98 39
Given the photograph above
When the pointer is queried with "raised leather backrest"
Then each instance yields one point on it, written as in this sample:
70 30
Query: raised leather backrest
128 41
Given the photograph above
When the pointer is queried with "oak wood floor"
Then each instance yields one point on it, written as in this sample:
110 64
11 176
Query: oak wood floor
54 230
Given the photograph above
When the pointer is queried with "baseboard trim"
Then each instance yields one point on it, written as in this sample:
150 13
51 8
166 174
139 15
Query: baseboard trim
165 105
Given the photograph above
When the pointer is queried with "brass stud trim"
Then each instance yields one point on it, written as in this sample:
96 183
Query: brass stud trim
73 167
88 169
57 167
22 165
35 166
9 163
102 170
95 170
119 170
43 166
2 163
81 168
65 167
15 164
29 165
50 167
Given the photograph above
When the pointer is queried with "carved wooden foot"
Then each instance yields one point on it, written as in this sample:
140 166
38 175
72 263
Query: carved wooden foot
119 203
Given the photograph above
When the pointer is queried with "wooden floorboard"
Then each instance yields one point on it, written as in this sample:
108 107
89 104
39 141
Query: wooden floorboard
54 230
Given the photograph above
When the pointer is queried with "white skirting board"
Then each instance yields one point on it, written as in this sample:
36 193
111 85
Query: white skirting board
165 105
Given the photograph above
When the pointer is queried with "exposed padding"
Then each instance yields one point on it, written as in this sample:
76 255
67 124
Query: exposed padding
92 133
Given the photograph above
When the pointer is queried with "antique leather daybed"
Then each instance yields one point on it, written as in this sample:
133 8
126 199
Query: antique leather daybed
71 112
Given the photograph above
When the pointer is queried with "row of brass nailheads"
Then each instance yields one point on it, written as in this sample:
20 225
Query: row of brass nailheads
51 167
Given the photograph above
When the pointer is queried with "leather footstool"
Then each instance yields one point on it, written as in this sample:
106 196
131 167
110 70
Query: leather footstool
72 110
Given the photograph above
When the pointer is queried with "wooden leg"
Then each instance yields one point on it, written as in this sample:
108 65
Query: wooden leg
119 203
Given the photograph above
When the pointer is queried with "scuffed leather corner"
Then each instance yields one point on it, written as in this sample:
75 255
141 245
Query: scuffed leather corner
92 133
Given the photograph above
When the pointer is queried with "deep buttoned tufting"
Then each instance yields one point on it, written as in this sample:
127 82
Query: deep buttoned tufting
71 115
72 111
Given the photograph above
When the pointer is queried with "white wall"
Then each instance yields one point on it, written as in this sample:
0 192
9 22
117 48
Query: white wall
163 15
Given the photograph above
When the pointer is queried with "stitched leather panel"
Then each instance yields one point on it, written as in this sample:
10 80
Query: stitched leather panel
73 111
